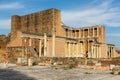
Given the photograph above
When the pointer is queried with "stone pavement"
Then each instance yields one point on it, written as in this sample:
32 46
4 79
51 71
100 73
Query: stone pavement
47 73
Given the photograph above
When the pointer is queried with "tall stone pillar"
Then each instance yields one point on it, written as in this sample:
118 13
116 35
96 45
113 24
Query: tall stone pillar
45 44
97 51
113 52
71 34
23 48
77 49
69 49
26 47
53 44
85 46
88 45
40 48
48 47
30 42
100 52
72 49
110 52
82 48
92 51
88 48
66 49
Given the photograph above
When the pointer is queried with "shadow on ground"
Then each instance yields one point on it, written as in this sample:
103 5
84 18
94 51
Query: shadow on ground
10 74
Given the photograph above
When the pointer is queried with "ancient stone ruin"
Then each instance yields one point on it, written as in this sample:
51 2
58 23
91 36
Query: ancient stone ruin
44 37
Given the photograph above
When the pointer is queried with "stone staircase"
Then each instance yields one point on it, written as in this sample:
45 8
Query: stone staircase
32 51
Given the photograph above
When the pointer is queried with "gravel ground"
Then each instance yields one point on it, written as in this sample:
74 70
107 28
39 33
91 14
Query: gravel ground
48 73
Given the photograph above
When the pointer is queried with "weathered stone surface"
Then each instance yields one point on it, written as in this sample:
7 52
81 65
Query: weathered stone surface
3 43
47 73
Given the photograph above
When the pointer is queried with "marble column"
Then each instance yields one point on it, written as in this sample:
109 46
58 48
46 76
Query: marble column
113 52
23 48
48 47
88 48
92 51
82 48
109 51
40 48
97 51
66 49
53 44
77 49
69 49
73 50
100 52
45 44
30 42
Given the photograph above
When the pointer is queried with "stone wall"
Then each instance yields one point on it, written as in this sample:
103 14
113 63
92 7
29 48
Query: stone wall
39 22
63 60
3 42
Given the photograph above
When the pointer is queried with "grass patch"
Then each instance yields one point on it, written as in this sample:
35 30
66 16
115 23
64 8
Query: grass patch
87 73
68 67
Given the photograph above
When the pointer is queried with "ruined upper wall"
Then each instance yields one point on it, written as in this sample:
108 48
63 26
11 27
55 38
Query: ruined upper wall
3 38
3 41
39 22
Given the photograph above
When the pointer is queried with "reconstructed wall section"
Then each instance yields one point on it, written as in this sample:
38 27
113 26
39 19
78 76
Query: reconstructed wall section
39 22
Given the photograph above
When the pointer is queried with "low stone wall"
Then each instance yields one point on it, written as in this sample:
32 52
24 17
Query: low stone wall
109 62
63 60
78 62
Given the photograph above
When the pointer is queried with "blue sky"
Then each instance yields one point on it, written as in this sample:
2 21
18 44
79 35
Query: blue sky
75 13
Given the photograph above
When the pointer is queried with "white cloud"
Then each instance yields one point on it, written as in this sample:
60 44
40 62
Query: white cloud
5 24
101 14
114 34
14 5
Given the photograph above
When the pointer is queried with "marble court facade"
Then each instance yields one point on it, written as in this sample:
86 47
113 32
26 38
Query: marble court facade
45 35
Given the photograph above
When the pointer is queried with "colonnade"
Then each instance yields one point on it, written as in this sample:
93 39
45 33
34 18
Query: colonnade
71 49
111 51
43 44
30 42
80 33
96 51
77 49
